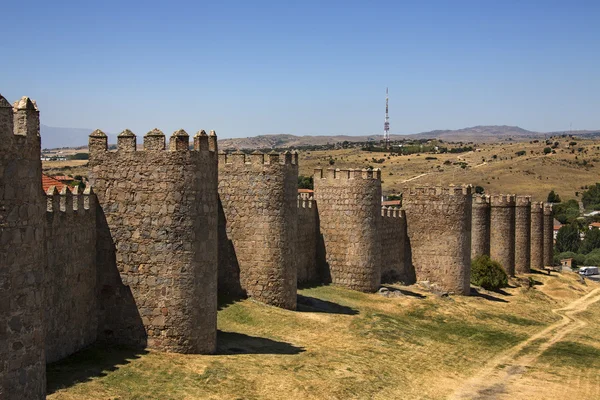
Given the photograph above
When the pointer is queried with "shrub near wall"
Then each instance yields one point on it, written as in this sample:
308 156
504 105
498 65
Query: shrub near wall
488 273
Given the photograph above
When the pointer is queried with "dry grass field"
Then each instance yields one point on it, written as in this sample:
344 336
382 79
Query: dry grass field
342 344
533 173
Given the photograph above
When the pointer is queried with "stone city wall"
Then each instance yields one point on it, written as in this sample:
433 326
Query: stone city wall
438 222
537 235
350 213
22 253
522 234
308 231
548 217
480 226
502 231
157 240
258 225
70 303
393 242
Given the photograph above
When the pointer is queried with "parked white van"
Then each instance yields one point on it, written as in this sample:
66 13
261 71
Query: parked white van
588 271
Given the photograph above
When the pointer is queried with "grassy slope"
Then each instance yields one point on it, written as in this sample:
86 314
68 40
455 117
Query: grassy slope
340 344
533 174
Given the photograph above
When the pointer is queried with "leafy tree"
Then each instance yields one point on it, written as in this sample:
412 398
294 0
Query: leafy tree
591 241
553 197
591 197
547 150
305 182
567 239
566 212
488 273
479 189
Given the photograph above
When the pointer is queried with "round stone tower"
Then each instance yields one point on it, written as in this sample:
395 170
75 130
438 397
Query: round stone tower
522 234
480 226
548 234
537 235
502 231
350 212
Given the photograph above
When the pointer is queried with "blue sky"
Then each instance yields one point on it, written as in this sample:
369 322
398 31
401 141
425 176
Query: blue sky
245 68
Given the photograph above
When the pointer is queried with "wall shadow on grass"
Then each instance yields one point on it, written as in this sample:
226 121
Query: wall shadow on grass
93 362
311 304
477 293
229 343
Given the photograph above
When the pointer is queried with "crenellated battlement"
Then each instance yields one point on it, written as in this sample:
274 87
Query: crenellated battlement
522 201
304 202
502 200
20 127
482 200
392 212
69 201
464 190
537 206
547 208
258 158
347 174
154 141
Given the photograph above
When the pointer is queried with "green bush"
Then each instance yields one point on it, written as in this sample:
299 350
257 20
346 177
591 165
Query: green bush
488 273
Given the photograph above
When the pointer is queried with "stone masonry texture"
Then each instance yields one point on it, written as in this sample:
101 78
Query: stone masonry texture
258 226
548 217
22 254
308 234
438 224
537 235
502 231
480 226
157 241
71 319
349 204
522 234
393 243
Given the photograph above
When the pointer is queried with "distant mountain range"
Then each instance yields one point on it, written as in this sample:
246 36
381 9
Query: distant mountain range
53 137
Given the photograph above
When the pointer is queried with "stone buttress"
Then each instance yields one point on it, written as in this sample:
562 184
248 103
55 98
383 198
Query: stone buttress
522 234
548 217
22 253
480 226
502 231
350 214
258 220
537 235
157 240
438 224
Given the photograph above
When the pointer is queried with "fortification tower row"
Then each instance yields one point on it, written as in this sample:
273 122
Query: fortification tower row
157 243
502 231
438 224
22 258
548 234
350 212
537 235
522 234
480 239
258 219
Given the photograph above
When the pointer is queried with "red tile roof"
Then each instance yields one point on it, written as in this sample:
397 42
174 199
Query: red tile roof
305 191
48 181
391 203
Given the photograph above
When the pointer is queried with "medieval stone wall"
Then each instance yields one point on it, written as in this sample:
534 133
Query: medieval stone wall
70 303
502 231
258 225
157 240
480 226
438 224
392 238
308 232
22 253
548 225
537 235
523 234
350 213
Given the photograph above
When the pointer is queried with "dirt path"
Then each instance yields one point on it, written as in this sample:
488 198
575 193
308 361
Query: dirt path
415 177
495 379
